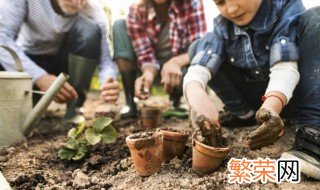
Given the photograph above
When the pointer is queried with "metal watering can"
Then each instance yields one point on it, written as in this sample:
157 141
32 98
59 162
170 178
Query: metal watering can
16 113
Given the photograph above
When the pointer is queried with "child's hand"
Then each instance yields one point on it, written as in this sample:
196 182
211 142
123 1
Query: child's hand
200 102
270 131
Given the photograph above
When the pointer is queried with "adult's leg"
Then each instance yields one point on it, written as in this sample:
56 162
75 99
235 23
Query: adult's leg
307 141
126 60
80 55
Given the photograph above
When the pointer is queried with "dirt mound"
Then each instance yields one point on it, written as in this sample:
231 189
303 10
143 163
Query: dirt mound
36 165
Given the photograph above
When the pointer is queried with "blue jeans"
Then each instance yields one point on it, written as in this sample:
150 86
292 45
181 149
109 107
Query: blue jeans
240 90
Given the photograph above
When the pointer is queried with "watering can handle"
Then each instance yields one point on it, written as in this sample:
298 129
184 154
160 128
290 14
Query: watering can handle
15 57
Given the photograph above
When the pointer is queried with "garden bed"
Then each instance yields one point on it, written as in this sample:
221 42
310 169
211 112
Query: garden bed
35 164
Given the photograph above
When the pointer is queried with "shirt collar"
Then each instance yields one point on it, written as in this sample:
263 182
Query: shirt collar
260 20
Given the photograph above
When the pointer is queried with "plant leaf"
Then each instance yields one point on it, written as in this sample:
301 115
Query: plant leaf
100 123
109 135
83 149
92 137
71 144
72 133
66 154
80 128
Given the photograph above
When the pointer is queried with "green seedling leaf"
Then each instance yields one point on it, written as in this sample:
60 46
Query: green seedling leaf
82 151
71 144
92 136
80 128
72 133
66 154
100 123
109 135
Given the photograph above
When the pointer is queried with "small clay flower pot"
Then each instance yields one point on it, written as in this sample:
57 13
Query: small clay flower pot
150 117
174 143
146 152
206 159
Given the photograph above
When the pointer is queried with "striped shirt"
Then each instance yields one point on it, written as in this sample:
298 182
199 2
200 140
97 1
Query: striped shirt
33 27
187 23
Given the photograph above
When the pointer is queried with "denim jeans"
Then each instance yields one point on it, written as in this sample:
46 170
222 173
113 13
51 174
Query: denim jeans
241 91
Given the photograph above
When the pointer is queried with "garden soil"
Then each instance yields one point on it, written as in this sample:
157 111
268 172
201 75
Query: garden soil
35 164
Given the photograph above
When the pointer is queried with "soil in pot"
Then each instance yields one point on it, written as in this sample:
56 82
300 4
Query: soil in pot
146 152
174 143
209 147
150 117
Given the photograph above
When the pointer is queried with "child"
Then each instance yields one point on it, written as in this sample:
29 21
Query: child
268 49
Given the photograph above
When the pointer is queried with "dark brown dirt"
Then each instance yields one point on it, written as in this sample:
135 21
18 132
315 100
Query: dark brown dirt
35 164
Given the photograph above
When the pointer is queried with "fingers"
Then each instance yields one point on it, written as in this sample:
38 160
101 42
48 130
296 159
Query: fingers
264 128
171 81
263 143
72 93
271 136
142 88
110 90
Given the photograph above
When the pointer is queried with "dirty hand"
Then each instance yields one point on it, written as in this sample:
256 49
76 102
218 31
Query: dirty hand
270 131
171 75
65 94
143 84
109 91
200 102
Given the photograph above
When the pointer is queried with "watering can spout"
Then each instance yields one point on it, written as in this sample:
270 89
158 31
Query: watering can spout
43 103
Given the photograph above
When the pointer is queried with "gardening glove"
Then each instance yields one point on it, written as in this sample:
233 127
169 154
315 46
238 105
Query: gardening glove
270 131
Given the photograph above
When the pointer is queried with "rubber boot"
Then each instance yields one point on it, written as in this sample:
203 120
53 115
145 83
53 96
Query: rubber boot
81 71
130 109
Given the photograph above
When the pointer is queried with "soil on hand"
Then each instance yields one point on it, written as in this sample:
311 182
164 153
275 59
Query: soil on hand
206 131
35 164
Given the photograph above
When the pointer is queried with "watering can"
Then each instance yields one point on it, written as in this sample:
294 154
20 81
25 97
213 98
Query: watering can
17 116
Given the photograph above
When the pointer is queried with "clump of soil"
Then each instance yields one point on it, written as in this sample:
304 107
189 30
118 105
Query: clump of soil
206 131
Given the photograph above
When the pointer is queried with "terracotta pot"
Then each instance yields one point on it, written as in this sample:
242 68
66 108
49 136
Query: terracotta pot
206 159
174 143
150 117
146 152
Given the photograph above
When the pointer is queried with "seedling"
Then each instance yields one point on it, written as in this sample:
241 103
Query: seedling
80 139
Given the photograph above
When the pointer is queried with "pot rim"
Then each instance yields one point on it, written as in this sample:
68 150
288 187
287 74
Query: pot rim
209 150
156 136
174 135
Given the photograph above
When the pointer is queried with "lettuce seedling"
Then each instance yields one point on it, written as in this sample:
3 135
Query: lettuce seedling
80 139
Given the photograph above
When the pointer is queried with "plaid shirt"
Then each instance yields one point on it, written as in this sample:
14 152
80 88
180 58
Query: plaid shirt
187 23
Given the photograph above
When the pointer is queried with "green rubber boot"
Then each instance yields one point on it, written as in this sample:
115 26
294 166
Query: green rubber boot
81 71
130 109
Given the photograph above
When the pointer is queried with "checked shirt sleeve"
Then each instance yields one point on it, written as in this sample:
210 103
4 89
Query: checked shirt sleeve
196 22
140 40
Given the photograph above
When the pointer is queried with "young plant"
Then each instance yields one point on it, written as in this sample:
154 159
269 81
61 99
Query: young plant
80 139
